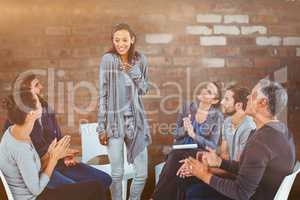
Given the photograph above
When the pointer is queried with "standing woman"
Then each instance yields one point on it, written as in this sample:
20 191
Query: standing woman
123 80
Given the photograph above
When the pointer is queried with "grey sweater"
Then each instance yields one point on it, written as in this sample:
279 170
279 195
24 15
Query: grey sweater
113 102
21 165
237 138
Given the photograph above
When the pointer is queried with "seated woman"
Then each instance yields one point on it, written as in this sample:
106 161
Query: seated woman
198 122
21 164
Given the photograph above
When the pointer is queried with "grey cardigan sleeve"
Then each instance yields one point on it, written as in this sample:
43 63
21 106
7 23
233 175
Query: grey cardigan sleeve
106 62
33 179
139 74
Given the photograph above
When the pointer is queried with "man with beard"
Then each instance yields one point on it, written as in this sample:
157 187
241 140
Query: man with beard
237 125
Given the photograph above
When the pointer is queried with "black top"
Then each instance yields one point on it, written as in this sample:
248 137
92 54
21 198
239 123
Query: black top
268 157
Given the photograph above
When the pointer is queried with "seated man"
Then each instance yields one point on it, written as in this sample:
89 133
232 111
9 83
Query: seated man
45 130
236 129
268 157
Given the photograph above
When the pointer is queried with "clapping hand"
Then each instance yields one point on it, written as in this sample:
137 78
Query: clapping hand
193 167
126 66
70 160
58 150
187 124
211 158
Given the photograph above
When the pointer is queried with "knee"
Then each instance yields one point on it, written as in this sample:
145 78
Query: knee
142 176
117 173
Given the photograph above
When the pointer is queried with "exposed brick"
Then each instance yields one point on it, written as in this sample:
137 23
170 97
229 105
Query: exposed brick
213 62
291 41
86 30
286 30
255 51
58 31
59 53
282 51
297 51
247 30
264 19
159 60
236 19
212 41
241 41
209 18
225 51
239 62
186 61
159 38
186 40
151 50
43 63
198 30
266 62
268 41
227 30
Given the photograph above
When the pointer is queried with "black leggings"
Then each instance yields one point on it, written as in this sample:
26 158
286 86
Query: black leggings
90 190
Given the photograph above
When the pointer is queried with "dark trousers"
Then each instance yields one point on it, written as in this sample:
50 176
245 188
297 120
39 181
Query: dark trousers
91 190
198 190
79 173
167 187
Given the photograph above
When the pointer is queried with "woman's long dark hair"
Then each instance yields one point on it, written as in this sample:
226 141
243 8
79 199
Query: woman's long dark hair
132 54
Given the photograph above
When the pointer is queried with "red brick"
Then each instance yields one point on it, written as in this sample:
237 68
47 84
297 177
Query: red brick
159 60
267 62
286 30
240 41
239 62
255 51
225 51
264 19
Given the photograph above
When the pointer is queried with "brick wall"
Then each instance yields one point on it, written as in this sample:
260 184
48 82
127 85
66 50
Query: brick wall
186 42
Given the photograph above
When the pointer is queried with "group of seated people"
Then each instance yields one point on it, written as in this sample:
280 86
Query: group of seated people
245 156
243 151
35 158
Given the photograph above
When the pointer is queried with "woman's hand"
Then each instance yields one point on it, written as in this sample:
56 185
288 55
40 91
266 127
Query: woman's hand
103 138
126 67
189 127
61 148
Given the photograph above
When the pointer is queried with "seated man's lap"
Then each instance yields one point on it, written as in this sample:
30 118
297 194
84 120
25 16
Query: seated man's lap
202 191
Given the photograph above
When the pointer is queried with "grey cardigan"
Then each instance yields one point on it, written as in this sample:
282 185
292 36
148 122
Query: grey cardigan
211 134
112 101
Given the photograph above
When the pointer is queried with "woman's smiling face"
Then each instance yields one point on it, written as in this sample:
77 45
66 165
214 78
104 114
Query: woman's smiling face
122 41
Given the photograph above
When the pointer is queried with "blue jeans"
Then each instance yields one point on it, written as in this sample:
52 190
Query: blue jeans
79 173
140 165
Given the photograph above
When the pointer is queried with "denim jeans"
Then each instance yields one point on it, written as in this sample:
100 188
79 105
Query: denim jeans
140 165
79 173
